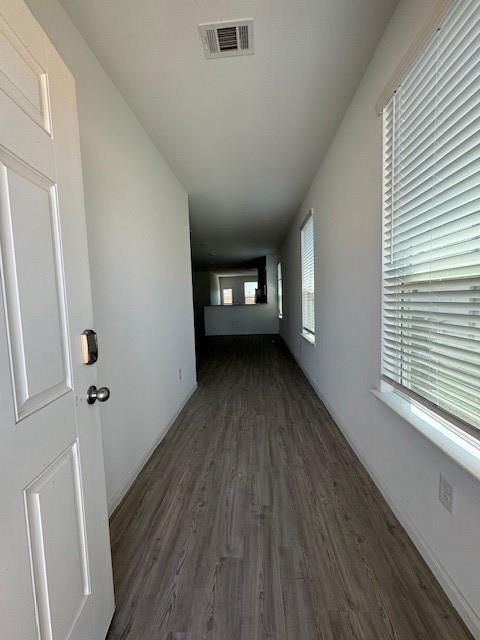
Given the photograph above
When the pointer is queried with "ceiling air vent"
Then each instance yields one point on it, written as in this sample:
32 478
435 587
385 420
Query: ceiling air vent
221 39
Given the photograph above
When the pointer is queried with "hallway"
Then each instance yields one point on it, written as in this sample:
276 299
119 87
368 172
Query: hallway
253 519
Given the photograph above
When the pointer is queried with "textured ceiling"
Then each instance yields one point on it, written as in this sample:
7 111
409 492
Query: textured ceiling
245 135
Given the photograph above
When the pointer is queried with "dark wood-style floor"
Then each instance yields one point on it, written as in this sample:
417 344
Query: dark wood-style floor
254 520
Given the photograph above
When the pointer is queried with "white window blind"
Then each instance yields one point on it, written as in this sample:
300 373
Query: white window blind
280 290
308 279
431 291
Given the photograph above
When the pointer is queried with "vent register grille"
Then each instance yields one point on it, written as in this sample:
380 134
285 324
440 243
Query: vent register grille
222 39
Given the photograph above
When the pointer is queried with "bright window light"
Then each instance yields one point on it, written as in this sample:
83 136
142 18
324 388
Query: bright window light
249 291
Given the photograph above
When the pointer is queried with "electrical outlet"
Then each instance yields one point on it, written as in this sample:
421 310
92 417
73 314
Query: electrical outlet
179 374
445 494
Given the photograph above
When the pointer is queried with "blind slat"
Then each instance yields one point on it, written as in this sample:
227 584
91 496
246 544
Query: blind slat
456 220
460 100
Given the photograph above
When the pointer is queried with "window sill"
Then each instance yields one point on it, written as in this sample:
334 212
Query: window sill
454 442
308 337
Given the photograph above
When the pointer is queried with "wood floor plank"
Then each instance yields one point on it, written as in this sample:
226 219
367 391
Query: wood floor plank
254 520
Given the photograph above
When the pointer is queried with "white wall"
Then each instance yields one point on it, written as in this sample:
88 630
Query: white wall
344 364
226 320
138 232
215 294
237 320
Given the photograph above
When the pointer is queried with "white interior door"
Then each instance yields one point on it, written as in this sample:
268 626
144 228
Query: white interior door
55 567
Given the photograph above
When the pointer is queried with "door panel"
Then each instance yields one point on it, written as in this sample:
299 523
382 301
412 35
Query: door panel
55 568
58 545
22 78
34 288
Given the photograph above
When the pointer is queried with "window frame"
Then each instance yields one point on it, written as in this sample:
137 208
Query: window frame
445 420
227 304
279 290
306 332
255 282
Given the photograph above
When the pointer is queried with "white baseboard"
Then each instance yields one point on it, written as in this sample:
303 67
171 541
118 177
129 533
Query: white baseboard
454 594
115 501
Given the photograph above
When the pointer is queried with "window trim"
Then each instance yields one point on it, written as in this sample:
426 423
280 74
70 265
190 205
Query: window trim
306 333
255 282
455 442
279 290
431 408
308 336
441 424
227 304
431 23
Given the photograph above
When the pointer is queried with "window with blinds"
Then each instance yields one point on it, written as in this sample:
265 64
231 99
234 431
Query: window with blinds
308 279
280 290
431 201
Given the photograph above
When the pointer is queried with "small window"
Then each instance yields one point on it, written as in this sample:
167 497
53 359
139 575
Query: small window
308 279
227 296
249 289
280 290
